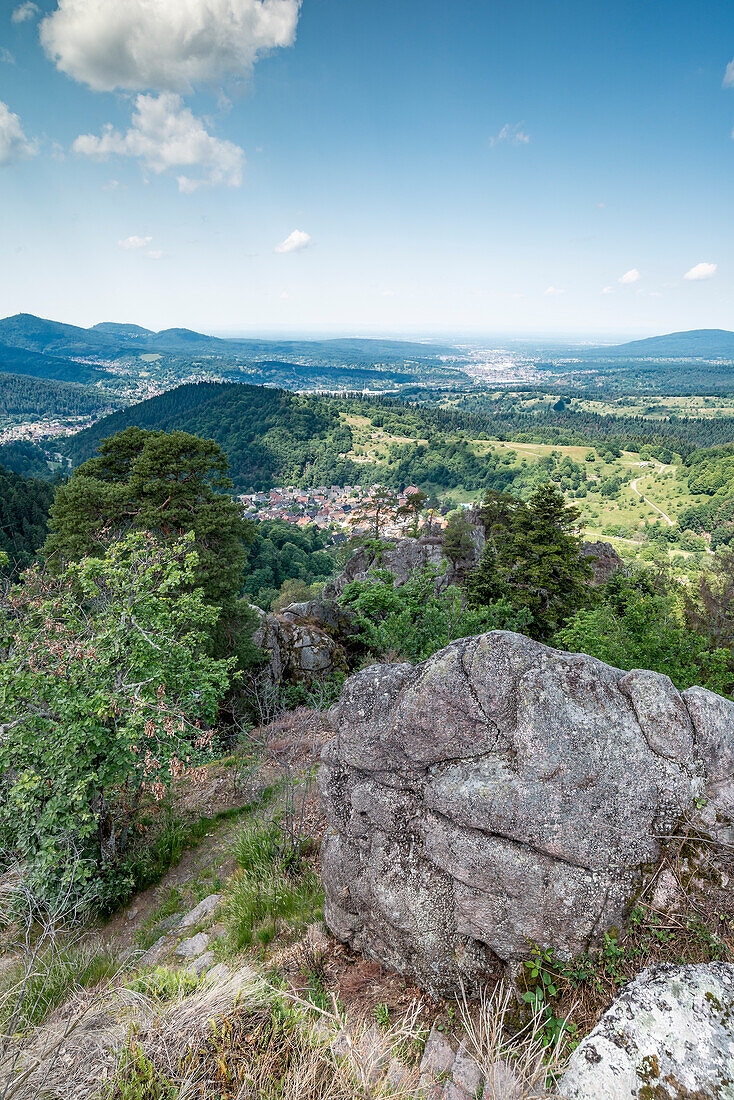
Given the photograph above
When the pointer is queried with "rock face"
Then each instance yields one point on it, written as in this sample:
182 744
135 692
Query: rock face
403 558
299 644
504 794
603 559
669 1035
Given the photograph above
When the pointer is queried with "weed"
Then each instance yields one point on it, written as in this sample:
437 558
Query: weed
163 984
28 995
382 1016
138 1079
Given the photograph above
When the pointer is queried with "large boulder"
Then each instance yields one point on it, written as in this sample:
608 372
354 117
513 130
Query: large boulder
299 648
668 1036
504 794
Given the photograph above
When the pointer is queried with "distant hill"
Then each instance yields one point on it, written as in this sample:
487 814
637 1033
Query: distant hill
18 360
110 339
703 343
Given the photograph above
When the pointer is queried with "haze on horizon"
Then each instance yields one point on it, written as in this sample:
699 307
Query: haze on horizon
312 168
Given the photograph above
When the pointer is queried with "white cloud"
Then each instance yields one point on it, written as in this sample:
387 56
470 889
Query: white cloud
701 271
512 134
130 244
729 75
295 242
164 45
629 277
551 291
608 290
14 145
6 56
166 136
155 254
25 12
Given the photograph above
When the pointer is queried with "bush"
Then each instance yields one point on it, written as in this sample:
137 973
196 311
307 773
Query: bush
412 620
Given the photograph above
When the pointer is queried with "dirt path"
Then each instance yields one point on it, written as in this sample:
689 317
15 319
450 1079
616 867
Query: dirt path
666 517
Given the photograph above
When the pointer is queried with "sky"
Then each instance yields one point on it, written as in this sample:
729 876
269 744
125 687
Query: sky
480 168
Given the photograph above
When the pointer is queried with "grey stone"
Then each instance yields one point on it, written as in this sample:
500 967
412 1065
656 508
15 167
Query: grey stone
197 945
466 1074
202 964
155 953
669 1035
399 1077
486 799
132 914
200 912
219 973
503 1083
299 651
438 1055
603 559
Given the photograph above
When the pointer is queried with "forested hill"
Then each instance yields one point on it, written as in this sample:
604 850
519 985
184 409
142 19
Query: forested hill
15 360
21 396
24 505
272 436
269 435
715 343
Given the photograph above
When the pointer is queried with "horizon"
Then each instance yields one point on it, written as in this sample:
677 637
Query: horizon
299 168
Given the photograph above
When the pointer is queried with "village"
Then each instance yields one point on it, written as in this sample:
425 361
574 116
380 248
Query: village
343 508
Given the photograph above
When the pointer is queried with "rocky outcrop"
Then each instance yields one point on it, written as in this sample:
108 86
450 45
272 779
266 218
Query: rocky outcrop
669 1035
299 644
402 557
504 794
603 559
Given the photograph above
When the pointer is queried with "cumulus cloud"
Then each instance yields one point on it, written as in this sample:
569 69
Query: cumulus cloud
512 134
701 271
25 12
14 145
629 277
164 45
729 75
551 291
154 254
608 290
295 242
165 136
134 242
6 56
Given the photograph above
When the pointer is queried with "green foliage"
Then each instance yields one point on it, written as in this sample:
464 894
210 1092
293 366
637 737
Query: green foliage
281 553
270 887
29 993
106 691
164 984
531 559
457 536
24 505
639 623
22 397
413 621
138 1079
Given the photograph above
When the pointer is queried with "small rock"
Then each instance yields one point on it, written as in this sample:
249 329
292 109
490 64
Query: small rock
502 1083
399 1077
202 964
466 1074
200 912
168 923
197 945
155 953
666 892
438 1057
132 914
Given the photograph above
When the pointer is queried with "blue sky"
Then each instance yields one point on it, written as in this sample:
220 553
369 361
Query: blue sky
486 168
